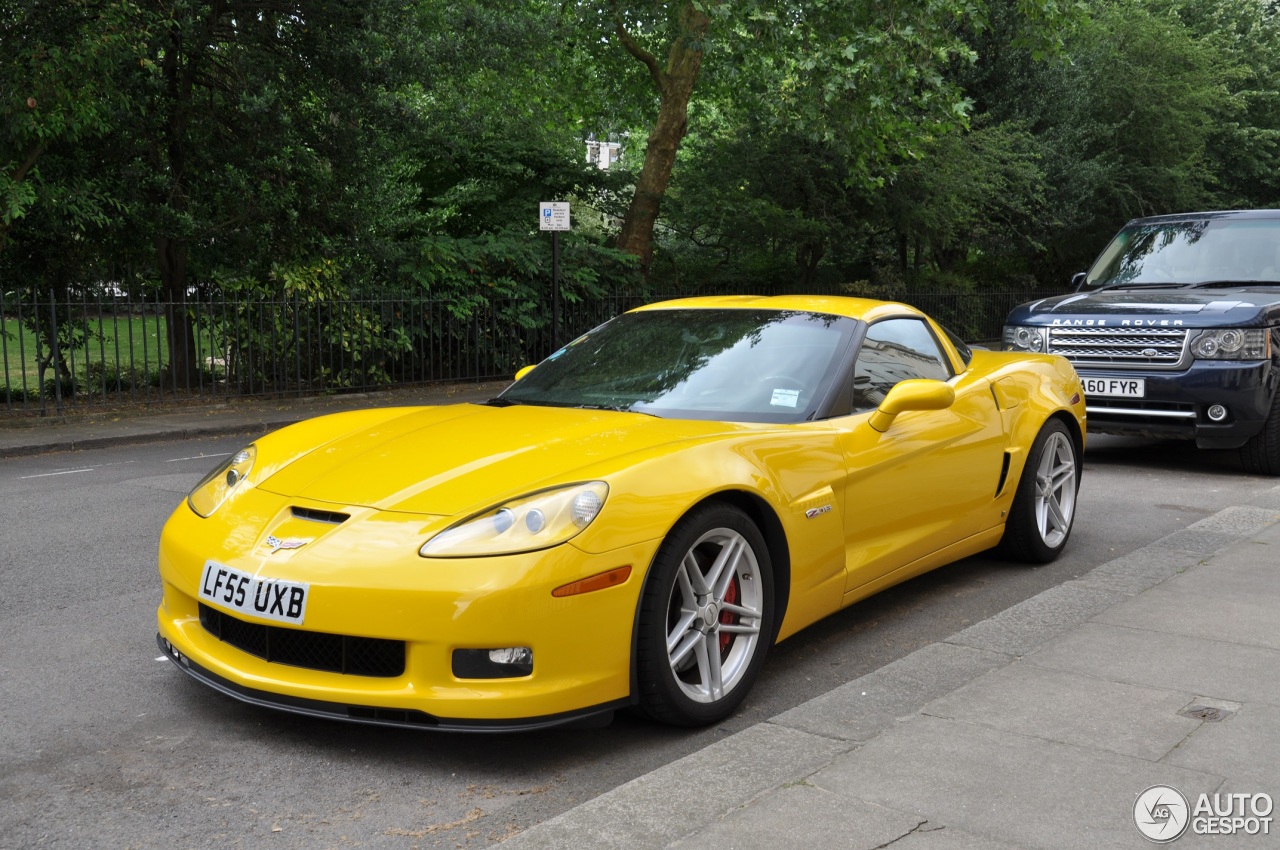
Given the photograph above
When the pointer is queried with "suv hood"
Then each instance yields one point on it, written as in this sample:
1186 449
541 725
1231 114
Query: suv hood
1204 308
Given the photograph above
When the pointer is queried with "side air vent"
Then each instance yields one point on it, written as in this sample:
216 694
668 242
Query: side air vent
313 515
1004 475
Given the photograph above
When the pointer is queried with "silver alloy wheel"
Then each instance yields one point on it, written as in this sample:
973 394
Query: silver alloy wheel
714 615
1055 499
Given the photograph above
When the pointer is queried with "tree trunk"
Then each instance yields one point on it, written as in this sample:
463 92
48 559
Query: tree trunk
170 158
675 88
182 372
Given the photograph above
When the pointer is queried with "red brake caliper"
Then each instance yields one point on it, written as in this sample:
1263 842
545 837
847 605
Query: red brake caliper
728 618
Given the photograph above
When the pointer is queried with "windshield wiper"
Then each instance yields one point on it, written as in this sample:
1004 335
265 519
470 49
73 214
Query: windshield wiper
1209 284
499 401
617 408
1128 285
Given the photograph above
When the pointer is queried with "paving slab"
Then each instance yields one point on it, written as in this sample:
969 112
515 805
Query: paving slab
1021 790
1072 709
1216 669
1244 746
1245 607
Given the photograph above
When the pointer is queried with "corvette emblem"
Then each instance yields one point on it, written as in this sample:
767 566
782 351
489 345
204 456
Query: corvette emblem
277 544
813 512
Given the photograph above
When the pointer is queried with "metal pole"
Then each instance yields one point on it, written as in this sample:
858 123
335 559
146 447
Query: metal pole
555 290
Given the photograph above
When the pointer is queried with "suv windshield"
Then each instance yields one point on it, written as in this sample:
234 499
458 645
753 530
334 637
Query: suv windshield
1190 253
735 365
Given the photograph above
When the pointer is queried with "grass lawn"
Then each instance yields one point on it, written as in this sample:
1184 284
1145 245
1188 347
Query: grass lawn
135 342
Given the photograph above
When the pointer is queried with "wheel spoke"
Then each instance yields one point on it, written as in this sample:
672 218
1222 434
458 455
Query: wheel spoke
707 651
721 572
687 591
1056 519
689 566
691 641
679 630
739 629
1062 475
739 610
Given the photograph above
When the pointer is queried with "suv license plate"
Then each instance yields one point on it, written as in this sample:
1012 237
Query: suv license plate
1115 387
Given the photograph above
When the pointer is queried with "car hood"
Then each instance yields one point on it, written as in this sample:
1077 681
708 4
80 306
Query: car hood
462 458
1165 307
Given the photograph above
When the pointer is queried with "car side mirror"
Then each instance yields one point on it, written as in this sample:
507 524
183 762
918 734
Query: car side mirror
912 394
1077 281
526 370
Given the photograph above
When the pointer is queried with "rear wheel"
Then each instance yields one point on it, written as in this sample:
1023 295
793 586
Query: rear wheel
1261 455
1044 507
706 618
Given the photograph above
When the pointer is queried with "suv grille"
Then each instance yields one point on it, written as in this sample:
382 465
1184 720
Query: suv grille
1119 346
354 656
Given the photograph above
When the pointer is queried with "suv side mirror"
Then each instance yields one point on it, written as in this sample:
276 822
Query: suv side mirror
1077 281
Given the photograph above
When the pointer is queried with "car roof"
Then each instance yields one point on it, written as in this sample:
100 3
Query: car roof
866 309
1206 216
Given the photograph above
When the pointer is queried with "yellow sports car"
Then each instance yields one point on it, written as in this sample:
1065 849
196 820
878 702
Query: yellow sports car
634 522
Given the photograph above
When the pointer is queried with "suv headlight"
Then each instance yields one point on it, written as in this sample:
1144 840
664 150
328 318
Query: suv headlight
1232 344
216 487
1026 338
537 521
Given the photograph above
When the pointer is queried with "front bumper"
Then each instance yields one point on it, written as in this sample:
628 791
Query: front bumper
372 715
367 582
1176 403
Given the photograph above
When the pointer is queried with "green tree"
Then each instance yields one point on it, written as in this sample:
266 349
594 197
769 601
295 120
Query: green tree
865 79
58 62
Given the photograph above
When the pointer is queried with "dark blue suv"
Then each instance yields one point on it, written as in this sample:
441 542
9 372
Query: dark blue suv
1175 331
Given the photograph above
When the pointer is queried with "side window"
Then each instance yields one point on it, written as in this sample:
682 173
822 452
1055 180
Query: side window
894 350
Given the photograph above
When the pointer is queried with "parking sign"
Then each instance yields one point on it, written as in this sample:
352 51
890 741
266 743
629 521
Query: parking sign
553 215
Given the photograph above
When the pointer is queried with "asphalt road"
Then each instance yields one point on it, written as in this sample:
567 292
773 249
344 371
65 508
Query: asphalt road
104 745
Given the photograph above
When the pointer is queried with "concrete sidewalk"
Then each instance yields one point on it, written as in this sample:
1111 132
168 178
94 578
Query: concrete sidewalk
1037 728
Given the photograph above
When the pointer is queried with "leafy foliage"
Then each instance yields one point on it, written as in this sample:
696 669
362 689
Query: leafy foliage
325 153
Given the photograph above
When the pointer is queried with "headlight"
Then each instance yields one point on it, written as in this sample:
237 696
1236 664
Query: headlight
532 522
217 486
1232 344
1024 338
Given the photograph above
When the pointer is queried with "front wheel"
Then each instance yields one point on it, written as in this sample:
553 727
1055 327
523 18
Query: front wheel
706 618
1044 506
1261 455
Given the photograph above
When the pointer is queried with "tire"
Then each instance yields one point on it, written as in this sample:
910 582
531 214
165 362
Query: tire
1044 506
706 618
1261 455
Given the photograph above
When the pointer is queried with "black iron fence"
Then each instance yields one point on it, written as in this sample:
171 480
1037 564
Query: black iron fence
86 351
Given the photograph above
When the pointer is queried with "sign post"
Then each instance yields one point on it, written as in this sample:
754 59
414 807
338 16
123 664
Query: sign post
554 216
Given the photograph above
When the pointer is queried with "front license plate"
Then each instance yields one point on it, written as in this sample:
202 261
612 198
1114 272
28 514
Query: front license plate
1115 387
269 598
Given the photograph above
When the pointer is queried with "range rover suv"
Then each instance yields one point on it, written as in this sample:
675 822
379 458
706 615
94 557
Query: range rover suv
1175 331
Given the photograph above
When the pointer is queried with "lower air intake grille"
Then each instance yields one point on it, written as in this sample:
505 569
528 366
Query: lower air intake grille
354 656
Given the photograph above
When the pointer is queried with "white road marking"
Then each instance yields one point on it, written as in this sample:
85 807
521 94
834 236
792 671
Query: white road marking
196 457
63 472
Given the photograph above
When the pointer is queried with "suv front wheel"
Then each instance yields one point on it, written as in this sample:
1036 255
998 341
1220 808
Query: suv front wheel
1261 455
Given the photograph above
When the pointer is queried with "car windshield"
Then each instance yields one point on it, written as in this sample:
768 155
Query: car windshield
1190 253
727 364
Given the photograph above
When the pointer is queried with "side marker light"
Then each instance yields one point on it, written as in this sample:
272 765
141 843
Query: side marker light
599 581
